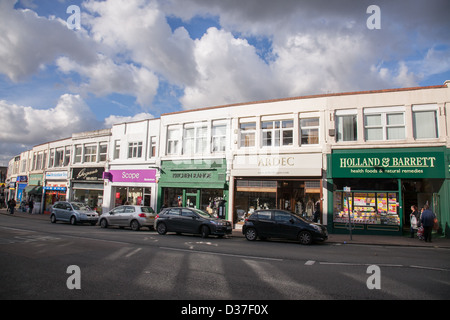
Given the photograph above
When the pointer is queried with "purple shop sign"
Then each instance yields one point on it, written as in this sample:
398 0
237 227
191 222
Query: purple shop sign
146 176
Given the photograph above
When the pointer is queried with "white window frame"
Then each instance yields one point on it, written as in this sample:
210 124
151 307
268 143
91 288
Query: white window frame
425 108
309 128
339 124
135 150
219 137
90 153
173 140
276 131
247 133
384 125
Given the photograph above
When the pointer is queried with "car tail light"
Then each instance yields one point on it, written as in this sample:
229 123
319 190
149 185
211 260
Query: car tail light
142 215
157 216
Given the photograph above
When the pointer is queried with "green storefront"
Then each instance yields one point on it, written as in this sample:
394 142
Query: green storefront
194 183
377 187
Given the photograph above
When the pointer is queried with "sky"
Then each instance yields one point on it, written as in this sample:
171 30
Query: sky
64 71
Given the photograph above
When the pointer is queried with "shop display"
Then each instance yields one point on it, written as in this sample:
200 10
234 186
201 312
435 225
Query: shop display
366 208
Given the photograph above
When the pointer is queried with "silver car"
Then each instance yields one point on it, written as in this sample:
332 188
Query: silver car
73 212
129 216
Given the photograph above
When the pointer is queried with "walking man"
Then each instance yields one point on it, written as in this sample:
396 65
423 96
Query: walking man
427 222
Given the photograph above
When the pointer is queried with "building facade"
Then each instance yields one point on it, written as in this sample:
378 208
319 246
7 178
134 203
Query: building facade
359 159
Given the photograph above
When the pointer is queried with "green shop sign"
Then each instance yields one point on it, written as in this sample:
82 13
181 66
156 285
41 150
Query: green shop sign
194 173
389 163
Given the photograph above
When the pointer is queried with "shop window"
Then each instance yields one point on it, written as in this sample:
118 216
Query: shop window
277 133
346 127
247 134
383 124
134 150
309 130
90 154
425 122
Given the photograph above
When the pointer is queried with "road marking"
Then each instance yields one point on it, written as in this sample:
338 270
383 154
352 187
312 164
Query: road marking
222 254
309 263
133 252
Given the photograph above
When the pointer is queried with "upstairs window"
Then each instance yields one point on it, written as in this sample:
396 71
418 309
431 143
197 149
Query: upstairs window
247 134
134 150
384 123
425 123
309 131
346 125
277 133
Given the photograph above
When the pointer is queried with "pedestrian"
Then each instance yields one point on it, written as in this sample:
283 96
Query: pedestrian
427 220
31 205
12 205
414 219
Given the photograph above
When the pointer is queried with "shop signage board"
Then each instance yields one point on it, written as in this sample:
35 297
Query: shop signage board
389 163
141 176
88 174
278 164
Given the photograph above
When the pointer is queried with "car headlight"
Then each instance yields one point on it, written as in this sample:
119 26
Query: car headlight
217 223
315 226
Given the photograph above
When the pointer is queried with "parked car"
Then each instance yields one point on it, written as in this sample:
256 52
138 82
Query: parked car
282 224
129 216
191 220
73 212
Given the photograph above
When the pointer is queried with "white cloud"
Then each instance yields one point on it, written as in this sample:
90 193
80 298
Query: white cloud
105 77
114 119
28 42
24 126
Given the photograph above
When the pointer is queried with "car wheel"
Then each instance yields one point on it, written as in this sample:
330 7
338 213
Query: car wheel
204 231
161 228
73 220
135 225
250 234
53 218
104 224
305 237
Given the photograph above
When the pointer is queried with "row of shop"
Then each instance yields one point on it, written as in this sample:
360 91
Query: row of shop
376 188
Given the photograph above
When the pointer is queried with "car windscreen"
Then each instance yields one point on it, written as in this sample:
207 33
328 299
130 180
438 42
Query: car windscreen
201 213
80 206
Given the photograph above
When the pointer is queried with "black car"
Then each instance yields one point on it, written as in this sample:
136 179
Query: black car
191 220
282 224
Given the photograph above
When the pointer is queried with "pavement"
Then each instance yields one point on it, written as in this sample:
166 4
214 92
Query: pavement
438 241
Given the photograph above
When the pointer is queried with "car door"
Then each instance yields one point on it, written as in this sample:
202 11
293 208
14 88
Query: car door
264 223
171 219
127 216
189 221
115 216
65 211
286 226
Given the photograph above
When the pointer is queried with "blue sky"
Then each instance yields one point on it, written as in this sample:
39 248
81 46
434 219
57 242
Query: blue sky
135 59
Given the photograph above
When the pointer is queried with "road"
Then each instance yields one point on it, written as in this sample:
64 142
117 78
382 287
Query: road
122 264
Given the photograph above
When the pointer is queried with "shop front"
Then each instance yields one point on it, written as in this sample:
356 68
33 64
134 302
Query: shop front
132 186
200 184
55 188
34 191
87 186
373 191
290 182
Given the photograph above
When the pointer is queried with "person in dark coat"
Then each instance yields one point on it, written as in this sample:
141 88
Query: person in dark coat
31 205
427 220
12 205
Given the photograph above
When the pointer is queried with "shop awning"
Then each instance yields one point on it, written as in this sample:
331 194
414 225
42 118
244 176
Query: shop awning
36 190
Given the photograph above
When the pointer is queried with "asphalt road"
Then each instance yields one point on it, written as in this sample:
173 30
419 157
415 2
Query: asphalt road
122 264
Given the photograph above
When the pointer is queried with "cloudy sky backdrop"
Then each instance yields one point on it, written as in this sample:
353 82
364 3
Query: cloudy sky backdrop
134 59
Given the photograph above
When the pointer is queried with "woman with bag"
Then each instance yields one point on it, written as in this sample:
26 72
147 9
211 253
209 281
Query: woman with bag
414 219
